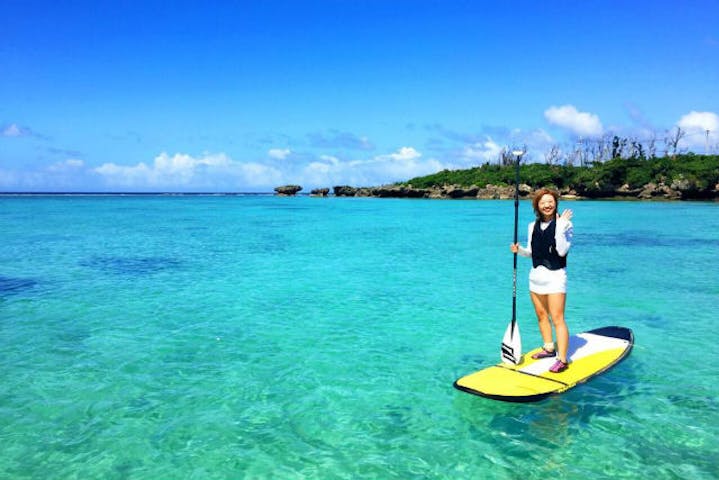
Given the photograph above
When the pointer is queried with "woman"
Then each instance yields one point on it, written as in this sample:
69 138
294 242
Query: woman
549 239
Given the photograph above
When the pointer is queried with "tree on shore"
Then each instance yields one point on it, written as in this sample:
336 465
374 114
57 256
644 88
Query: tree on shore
672 139
696 174
588 151
553 155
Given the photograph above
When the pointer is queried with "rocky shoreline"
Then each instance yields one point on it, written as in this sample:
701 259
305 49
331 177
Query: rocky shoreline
677 190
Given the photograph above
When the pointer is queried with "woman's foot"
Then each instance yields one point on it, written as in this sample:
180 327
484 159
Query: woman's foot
559 366
544 353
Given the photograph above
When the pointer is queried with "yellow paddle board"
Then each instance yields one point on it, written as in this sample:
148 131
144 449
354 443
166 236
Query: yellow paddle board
590 353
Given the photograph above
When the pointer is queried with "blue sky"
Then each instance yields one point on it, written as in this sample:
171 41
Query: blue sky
246 96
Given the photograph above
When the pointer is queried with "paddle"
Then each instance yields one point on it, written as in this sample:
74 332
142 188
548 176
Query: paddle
512 341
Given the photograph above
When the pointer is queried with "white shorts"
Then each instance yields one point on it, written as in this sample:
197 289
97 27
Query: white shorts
543 280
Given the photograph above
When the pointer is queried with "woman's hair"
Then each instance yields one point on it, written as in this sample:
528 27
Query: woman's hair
539 194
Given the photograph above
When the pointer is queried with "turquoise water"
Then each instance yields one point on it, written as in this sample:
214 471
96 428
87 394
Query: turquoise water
263 337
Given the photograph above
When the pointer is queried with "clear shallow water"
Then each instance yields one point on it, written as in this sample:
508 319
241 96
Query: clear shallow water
265 337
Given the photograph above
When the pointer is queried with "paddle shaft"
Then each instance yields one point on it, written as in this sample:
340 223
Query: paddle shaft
516 224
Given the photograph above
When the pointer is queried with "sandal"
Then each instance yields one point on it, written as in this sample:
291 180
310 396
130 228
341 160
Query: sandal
544 354
559 366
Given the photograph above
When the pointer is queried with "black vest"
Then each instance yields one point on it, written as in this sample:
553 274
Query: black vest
544 247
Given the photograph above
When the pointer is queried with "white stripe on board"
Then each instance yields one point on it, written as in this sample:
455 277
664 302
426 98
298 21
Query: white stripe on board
580 346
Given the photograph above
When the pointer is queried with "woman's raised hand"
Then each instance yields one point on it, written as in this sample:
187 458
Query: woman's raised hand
567 215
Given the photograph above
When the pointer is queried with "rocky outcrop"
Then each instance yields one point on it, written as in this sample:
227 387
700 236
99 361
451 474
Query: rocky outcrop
596 190
678 189
437 192
344 191
320 192
288 190
653 190
398 191
495 192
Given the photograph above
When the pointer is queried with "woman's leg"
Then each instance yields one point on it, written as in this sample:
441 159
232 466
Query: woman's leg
555 303
541 308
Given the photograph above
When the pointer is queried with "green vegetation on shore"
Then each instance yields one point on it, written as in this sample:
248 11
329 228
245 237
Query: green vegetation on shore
698 174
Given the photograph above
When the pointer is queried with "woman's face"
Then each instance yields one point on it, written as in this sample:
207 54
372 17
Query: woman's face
547 206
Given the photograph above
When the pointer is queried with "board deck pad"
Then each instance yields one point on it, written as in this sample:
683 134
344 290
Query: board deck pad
590 353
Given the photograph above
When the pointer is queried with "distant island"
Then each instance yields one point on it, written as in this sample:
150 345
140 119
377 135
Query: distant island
680 177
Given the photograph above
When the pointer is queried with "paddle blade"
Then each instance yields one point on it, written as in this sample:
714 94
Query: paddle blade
512 345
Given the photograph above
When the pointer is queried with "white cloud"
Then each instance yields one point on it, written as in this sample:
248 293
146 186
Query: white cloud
279 153
699 122
14 131
67 175
335 139
696 125
330 159
538 137
580 123
66 166
183 171
404 154
487 151
126 175
219 172
403 164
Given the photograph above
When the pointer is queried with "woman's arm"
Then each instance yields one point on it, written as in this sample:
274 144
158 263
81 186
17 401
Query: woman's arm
527 251
564 233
